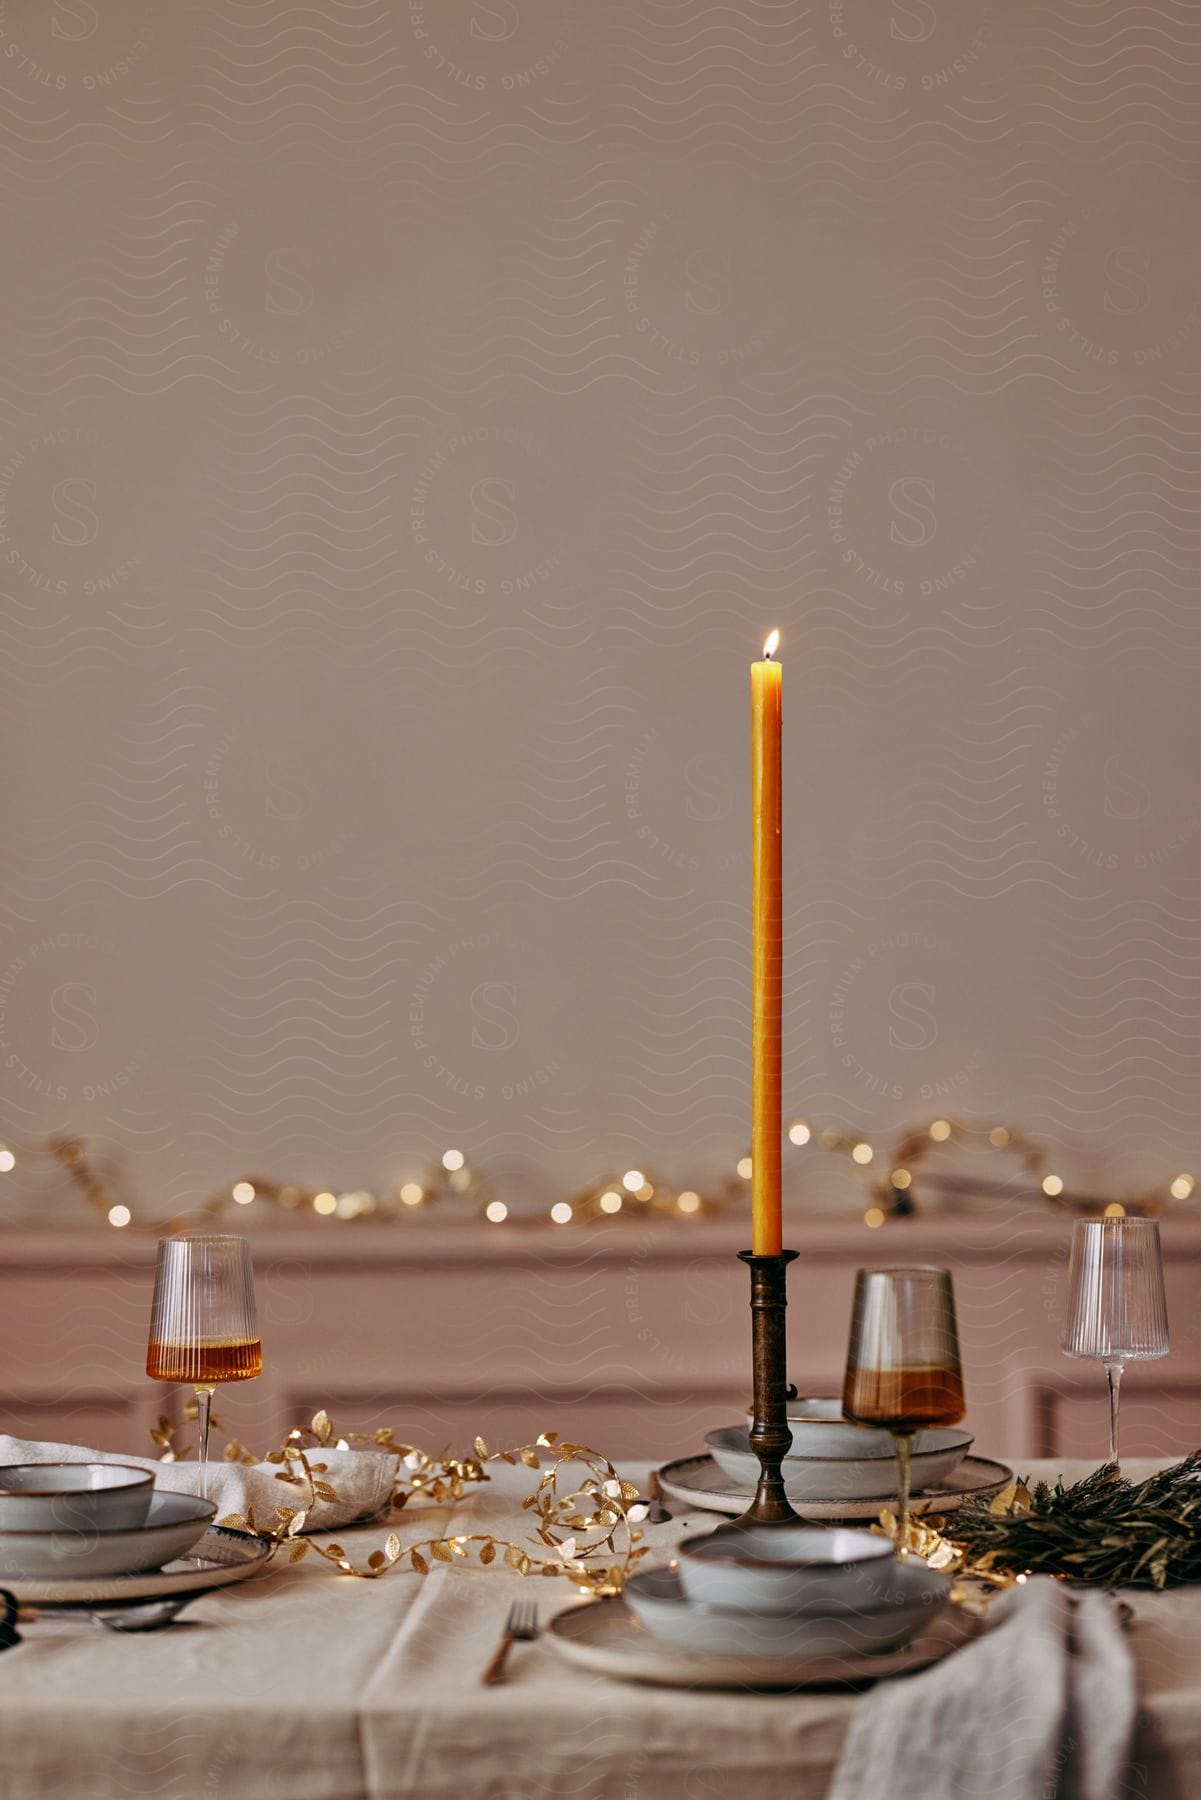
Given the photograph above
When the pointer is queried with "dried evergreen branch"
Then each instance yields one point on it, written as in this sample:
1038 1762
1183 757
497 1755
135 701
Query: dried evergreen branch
1103 1529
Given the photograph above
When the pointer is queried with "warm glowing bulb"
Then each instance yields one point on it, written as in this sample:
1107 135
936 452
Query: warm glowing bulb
1115 1210
7 1161
873 1217
560 1212
325 1203
633 1180
497 1211
746 1167
610 1202
900 1178
940 1131
862 1153
243 1193
412 1193
1052 1185
1180 1189
688 1202
646 1191
998 1137
119 1215
453 1159
772 644
798 1133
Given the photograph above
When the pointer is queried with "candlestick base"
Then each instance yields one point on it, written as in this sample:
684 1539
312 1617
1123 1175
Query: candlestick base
769 1435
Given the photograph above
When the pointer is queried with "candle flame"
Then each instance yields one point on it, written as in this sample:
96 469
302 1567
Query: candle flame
772 644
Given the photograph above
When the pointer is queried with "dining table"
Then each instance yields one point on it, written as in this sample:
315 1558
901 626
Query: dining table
303 1683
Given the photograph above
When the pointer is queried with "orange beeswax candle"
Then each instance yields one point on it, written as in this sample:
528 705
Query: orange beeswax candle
767 951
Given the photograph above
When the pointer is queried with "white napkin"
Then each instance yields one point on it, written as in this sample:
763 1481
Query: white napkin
362 1480
1039 1707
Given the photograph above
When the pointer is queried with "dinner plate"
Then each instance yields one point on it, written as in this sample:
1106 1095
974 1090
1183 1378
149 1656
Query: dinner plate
221 1557
174 1523
697 1481
894 1607
852 1477
604 1637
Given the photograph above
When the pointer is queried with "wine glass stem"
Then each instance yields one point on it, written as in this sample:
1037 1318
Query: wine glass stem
204 1401
903 1443
1113 1374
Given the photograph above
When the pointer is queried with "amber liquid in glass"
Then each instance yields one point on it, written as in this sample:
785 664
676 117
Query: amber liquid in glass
206 1363
903 1399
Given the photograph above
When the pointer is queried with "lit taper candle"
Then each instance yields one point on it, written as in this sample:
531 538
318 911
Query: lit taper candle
767 951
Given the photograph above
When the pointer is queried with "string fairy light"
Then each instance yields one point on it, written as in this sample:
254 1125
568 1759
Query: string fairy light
893 1195
453 1181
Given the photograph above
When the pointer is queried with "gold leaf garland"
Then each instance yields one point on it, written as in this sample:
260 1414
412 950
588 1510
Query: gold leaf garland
590 1526
1103 1529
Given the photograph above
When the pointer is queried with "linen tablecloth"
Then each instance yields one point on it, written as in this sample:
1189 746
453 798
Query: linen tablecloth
306 1685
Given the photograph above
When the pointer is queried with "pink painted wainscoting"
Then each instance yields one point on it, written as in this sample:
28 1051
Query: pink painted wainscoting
634 1339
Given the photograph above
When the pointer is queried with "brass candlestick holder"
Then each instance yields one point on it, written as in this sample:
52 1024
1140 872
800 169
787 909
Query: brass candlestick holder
769 1434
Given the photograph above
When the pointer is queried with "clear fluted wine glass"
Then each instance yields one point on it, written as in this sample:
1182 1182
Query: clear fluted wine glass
903 1369
1117 1309
203 1321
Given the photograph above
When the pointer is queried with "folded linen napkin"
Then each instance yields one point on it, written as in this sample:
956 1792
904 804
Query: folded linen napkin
362 1480
1040 1706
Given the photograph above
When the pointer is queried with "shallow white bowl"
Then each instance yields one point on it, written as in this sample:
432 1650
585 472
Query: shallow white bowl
820 1429
175 1522
657 1599
779 1568
74 1496
863 1477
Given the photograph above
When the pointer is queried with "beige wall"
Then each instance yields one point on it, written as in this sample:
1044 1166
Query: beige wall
411 420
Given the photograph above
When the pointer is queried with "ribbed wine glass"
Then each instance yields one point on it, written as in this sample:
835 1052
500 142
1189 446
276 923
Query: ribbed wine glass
1117 1310
203 1321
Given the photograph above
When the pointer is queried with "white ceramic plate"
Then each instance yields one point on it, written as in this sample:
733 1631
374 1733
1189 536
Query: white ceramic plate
604 1637
849 1477
819 1429
915 1595
221 1557
173 1524
697 1481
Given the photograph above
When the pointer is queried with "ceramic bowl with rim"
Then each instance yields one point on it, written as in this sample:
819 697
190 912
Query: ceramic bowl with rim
779 1568
819 1428
860 1477
916 1594
74 1496
174 1523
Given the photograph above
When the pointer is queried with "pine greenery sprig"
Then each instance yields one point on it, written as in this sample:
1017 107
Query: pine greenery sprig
1103 1529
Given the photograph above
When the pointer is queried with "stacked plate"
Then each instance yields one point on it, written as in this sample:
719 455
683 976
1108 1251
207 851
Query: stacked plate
769 1606
835 1469
69 1530
832 1456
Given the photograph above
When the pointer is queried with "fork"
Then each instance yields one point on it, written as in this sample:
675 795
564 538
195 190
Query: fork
520 1626
658 1514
